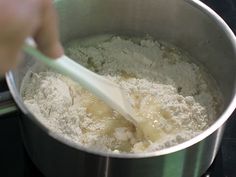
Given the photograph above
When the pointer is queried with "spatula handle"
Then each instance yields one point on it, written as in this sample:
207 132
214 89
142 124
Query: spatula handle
65 65
104 89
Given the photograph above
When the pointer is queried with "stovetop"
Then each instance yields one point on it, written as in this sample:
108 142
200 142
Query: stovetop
14 161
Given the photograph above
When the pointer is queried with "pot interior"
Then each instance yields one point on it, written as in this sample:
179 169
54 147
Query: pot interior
182 23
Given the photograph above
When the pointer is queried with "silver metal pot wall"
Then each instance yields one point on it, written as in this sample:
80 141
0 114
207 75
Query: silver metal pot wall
188 24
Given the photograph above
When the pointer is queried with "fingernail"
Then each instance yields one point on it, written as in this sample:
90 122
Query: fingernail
55 51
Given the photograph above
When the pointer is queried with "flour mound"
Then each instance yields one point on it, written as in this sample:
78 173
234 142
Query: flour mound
173 98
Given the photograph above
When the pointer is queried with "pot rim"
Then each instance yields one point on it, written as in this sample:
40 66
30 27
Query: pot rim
220 121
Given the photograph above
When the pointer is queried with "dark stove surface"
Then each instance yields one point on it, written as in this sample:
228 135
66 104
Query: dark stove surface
225 162
14 161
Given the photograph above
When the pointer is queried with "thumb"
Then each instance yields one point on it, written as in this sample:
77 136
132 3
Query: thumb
47 35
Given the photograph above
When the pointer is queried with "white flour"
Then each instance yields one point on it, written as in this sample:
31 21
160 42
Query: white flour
173 97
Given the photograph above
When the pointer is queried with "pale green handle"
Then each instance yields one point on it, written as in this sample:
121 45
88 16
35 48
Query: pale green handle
104 89
75 71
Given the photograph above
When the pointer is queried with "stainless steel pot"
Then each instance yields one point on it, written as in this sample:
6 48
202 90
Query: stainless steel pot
188 24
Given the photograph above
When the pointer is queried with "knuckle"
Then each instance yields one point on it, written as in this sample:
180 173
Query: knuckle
47 3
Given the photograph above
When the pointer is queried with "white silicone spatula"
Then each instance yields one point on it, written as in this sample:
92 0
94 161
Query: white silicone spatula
104 89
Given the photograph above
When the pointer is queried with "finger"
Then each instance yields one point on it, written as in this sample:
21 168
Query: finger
47 36
8 58
18 20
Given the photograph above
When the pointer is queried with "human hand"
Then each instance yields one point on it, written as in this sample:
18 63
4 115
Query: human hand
21 19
